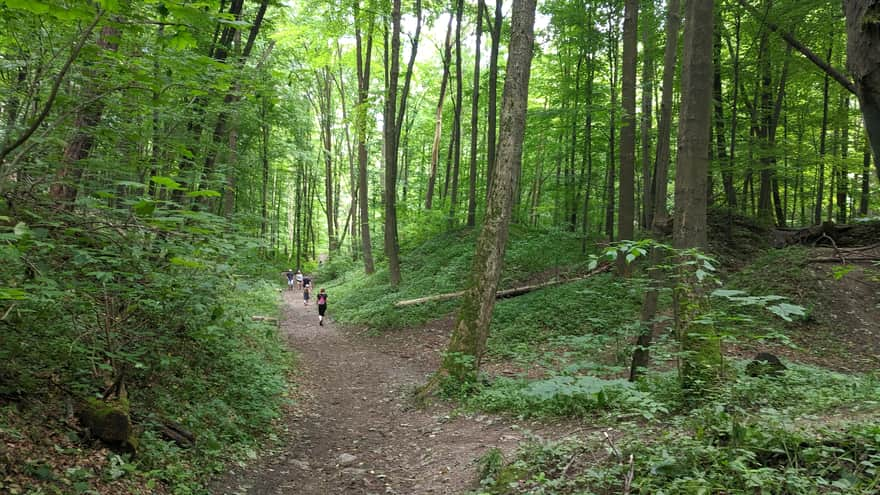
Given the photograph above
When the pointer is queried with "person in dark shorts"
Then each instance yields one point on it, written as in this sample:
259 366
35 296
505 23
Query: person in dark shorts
322 306
306 291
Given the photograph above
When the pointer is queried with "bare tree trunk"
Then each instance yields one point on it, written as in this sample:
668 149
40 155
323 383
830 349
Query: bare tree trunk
647 104
364 54
611 176
700 367
820 174
456 119
492 97
670 54
641 354
468 342
438 117
626 211
475 110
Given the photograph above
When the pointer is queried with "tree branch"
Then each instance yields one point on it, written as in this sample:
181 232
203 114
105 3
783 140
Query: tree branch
54 93
797 45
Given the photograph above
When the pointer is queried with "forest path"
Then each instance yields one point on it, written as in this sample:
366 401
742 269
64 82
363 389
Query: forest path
353 429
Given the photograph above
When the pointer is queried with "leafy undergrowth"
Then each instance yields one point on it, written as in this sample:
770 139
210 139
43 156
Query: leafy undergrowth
161 303
840 328
564 352
441 265
807 431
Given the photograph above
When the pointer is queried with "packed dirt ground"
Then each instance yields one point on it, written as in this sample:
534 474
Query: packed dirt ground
353 428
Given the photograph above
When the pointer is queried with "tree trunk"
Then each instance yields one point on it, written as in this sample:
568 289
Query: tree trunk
492 97
626 207
438 117
364 54
456 119
611 176
863 62
820 175
468 342
701 365
647 102
475 110
641 354
670 54
840 165
64 190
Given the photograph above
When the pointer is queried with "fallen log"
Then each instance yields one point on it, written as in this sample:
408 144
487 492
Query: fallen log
829 233
517 291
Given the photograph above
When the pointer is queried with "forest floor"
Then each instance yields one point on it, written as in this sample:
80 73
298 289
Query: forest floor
354 429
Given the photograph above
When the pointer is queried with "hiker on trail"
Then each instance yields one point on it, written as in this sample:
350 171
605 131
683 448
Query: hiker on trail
289 274
322 306
305 295
307 282
299 279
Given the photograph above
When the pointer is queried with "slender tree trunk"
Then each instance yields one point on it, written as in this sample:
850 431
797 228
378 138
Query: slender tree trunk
820 174
647 93
641 354
363 70
468 342
611 176
475 110
456 119
841 168
670 54
438 117
866 181
392 130
626 211
492 97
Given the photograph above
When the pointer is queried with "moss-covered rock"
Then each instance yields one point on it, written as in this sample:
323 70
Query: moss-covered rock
109 422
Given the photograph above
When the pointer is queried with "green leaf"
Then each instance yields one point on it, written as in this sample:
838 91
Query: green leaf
8 294
786 310
144 208
165 181
207 193
186 263
21 229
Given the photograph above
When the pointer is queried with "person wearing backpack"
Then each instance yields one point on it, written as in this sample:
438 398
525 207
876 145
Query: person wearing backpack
322 306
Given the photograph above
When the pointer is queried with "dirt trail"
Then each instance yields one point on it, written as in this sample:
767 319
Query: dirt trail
354 431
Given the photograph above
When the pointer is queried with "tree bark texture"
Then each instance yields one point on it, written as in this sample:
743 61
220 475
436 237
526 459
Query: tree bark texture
472 325
863 62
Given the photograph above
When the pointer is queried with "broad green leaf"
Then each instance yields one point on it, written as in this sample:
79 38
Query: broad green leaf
165 181
207 193
12 294
786 310
21 229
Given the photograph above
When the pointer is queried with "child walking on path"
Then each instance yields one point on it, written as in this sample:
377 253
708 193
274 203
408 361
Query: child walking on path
322 306
306 290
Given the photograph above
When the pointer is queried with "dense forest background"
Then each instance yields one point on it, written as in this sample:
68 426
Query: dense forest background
162 161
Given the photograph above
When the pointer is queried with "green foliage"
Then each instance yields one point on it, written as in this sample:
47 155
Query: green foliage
440 265
808 431
99 296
